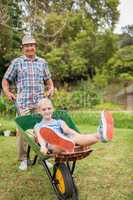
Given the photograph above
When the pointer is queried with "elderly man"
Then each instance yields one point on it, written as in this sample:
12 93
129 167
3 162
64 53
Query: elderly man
31 75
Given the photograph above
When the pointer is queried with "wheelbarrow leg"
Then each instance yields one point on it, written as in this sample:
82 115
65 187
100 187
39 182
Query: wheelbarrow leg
71 166
31 162
52 180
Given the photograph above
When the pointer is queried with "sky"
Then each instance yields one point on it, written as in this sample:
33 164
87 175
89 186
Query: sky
126 14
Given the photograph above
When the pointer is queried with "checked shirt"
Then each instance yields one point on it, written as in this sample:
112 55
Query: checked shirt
29 77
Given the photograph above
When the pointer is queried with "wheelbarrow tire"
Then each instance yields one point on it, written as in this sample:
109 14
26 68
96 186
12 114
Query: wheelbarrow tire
75 193
63 181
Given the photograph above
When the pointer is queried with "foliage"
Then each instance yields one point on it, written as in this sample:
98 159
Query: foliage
10 23
104 49
102 13
6 106
101 80
2 106
120 66
84 96
74 36
126 38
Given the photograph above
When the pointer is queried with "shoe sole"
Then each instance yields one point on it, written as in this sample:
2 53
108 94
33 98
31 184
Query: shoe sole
107 121
53 138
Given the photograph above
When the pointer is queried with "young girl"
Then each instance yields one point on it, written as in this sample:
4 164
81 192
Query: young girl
55 134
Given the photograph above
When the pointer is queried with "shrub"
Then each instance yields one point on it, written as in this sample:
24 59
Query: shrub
6 106
84 95
2 105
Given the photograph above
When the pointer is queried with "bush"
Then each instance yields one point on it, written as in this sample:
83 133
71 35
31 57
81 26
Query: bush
6 106
62 99
85 95
2 105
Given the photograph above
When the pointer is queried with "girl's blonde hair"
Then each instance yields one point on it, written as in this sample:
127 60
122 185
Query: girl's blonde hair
43 102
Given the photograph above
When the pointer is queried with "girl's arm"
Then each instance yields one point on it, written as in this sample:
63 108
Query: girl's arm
68 130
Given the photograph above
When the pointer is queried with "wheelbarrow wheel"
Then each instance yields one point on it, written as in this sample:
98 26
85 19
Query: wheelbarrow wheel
64 182
75 192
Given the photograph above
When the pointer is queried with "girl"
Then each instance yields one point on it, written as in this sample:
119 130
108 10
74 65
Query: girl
55 134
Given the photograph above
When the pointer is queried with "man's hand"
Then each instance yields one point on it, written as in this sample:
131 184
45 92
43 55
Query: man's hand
50 88
5 86
10 96
50 92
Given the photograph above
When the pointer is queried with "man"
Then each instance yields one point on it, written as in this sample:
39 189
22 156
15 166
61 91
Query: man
30 74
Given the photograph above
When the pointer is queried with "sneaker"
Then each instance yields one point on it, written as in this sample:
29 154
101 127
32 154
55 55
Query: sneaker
23 165
57 139
49 165
106 126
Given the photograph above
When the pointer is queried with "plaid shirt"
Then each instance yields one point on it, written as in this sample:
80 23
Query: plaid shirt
29 77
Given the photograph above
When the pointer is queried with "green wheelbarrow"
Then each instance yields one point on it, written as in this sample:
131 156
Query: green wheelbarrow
61 177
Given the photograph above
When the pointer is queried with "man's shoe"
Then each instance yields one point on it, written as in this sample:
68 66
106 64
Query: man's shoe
106 126
23 165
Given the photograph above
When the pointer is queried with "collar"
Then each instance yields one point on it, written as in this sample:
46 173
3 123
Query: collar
28 59
48 123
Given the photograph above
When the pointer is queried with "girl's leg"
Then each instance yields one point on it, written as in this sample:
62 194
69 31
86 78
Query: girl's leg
105 131
87 139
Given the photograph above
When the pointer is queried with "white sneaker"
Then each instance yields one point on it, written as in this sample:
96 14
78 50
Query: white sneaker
106 126
49 164
23 165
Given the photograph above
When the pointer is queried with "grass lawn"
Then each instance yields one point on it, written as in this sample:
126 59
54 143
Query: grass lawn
106 175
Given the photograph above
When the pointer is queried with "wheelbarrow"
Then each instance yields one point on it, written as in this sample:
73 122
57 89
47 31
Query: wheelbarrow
61 177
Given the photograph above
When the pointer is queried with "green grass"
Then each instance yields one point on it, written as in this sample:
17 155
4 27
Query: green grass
105 174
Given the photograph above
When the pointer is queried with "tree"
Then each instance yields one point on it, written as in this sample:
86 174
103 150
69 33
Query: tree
126 38
120 66
75 36
10 23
